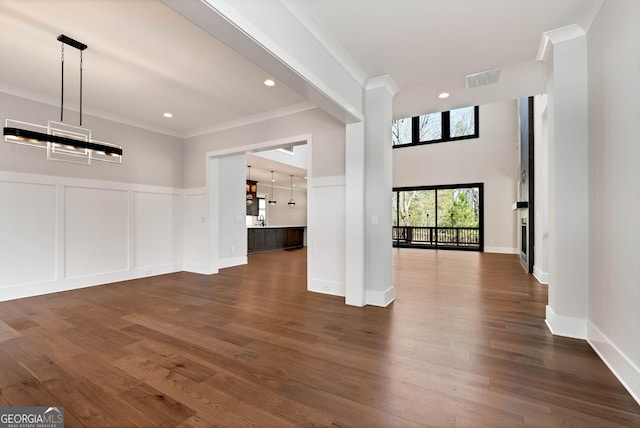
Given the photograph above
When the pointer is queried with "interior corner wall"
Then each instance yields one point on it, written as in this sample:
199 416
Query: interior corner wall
491 159
614 202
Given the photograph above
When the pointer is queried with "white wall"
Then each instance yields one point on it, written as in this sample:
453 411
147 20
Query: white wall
325 138
327 155
491 159
232 243
326 236
614 200
149 157
196 229
60 233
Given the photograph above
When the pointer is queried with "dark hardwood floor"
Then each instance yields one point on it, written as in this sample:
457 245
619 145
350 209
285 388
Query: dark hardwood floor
463 345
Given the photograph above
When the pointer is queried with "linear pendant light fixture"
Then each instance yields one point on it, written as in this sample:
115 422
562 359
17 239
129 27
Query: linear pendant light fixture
63 142
272 200
291 202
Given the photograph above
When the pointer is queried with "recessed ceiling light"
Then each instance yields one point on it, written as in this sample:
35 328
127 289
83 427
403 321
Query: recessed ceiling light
443 95
168 115
269 82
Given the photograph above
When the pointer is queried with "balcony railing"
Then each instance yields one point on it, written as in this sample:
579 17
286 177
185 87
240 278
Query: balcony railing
437 237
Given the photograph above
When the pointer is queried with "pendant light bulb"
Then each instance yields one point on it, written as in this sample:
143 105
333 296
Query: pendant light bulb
272 200
291 202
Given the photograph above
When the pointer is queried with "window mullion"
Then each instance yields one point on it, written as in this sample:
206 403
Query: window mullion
446 126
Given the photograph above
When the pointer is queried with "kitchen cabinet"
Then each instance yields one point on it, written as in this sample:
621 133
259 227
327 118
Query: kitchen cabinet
274 238
252 197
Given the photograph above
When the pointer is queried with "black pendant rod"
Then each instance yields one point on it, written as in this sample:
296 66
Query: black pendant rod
80 88
62 85
80 46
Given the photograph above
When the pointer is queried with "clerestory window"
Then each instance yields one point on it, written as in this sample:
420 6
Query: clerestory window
457 124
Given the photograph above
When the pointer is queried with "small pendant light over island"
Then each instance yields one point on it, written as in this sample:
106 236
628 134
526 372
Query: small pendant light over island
272 200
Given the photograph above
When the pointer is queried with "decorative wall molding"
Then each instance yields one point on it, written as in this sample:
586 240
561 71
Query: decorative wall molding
75 107
333 288
135 229
559 35
231 262
623 367
385 82
264 145
542 277
559 325
380 298
501 250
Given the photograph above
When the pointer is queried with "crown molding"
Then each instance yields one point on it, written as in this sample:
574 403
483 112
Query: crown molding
556 36
385 82
71 106
249 120
75 107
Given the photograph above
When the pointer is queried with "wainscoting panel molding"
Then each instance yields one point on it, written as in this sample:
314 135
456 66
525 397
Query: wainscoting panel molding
61 233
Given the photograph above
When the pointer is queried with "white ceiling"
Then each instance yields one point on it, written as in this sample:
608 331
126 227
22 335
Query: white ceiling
428 46
261 172
144 59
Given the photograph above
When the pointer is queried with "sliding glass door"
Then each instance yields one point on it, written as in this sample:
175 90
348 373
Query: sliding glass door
447 217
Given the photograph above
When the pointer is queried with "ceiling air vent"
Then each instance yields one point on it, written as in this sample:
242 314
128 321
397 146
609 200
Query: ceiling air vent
480 79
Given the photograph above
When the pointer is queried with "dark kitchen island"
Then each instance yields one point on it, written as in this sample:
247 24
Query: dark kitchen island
266 238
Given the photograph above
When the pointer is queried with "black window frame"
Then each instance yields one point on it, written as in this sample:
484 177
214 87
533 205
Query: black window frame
435 188
445 123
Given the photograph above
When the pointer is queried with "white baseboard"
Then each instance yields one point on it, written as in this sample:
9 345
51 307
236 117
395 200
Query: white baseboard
501 250
627 372
542 277
232 261
24 290
326 287
380 298
560 325
199 268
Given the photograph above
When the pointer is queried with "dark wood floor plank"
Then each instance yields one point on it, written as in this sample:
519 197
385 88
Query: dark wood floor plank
463 345
200 397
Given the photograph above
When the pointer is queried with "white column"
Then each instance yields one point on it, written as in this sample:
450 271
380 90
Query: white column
567 112
377 190
355 213
213 186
